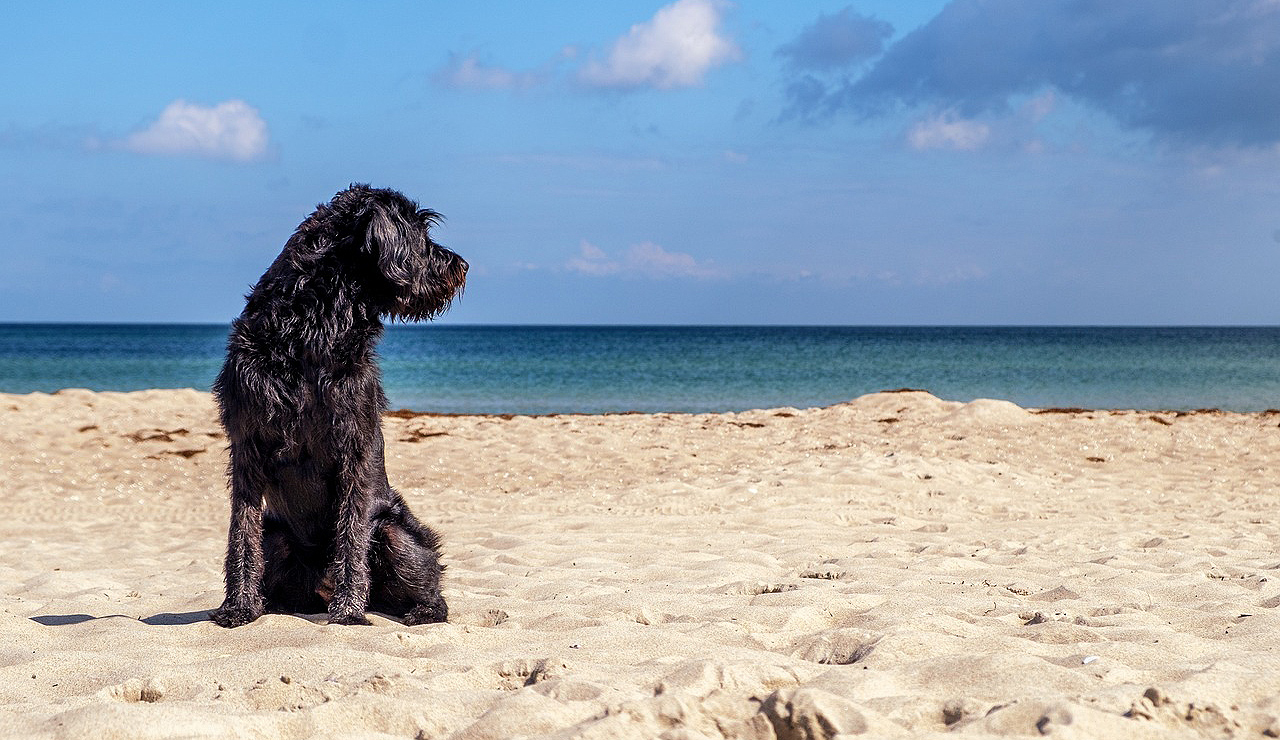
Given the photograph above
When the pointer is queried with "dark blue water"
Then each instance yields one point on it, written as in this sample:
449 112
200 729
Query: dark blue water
546 369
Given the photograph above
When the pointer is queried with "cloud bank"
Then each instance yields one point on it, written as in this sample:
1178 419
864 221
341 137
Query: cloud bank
1194 71
230 130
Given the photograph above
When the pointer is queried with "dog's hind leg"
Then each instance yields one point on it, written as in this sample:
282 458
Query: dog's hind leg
405 561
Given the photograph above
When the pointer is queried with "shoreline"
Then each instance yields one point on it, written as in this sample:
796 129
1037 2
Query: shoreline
896 565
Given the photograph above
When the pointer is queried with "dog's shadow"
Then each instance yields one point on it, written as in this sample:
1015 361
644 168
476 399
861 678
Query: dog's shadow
161 619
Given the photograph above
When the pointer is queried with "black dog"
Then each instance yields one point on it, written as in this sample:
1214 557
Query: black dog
314 521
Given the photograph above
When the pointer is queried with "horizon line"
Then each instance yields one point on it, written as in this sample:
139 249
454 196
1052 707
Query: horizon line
630 325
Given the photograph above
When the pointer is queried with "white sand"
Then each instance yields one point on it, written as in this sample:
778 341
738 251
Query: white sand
897 566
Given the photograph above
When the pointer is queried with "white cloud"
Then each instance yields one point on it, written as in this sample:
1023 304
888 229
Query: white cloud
228 130
675 48
645 259
946 132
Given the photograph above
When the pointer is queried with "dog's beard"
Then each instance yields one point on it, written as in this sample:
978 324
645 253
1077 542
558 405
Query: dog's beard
410 309
425 305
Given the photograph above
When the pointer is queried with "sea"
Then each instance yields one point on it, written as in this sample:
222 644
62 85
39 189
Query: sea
447 368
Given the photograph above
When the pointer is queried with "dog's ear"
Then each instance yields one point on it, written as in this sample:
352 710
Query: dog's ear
394 242
397 235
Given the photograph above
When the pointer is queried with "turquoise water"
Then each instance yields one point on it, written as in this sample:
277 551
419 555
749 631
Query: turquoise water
563 369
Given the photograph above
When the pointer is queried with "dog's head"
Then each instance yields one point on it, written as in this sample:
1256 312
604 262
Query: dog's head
384 240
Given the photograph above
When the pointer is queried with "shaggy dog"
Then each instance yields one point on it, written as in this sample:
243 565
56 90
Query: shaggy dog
315 524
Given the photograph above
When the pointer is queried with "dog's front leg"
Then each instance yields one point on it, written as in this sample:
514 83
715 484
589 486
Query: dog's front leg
243 567
349 571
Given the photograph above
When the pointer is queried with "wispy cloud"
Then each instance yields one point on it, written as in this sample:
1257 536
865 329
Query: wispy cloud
468 71
935 272
592 260
948 132
644 260
229 130
949 274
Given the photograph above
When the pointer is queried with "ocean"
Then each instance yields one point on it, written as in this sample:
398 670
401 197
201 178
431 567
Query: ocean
602 369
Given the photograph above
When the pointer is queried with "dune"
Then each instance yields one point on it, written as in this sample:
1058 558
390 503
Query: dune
893 566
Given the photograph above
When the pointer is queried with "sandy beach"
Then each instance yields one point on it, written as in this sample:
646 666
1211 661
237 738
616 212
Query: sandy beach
896 566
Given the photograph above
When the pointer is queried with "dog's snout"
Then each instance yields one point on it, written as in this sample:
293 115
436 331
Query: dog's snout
463 264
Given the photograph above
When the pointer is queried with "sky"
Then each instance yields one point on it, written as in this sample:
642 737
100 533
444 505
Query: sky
693 162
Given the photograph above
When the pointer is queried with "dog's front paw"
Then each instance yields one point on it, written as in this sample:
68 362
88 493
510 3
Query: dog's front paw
428 613
234 615
349 618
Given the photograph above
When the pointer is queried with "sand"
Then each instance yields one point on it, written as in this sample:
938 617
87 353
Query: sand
896 566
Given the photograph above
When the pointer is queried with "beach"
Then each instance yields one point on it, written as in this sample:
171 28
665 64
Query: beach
893 566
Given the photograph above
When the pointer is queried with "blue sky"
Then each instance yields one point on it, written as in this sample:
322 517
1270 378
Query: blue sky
702 161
